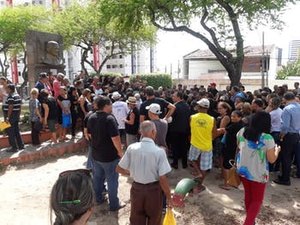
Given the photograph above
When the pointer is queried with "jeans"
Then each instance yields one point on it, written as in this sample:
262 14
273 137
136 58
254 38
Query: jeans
254 196
288 148
297 158
106 171
89 164
14 135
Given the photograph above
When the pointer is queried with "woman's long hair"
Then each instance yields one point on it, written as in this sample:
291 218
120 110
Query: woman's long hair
260 122
73 187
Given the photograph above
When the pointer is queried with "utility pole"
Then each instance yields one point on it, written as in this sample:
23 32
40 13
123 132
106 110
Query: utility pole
263 61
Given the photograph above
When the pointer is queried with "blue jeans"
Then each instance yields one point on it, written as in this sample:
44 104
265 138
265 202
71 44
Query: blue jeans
106 171
14 135
89 164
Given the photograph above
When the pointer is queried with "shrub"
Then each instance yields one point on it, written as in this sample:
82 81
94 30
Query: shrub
154 80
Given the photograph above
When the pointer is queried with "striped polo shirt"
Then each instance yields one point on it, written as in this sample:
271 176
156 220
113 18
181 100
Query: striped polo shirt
15 100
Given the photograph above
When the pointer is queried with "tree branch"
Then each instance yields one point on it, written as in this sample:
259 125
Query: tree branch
223 60
213 34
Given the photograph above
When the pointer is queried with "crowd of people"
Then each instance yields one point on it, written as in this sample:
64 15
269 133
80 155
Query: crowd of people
132 129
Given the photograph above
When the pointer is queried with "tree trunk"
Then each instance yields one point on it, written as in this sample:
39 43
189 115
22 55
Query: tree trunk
24 72
2 67
82 61
6 64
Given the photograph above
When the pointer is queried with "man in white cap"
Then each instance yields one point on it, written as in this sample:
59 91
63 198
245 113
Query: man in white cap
120 111
167 109
154 111
203 131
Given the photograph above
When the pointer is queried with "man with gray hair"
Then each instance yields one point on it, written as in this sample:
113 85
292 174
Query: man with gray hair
147 164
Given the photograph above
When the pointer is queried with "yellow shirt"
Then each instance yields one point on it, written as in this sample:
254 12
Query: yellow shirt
201 131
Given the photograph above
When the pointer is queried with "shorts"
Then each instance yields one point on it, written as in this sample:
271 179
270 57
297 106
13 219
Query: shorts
51 125
205 157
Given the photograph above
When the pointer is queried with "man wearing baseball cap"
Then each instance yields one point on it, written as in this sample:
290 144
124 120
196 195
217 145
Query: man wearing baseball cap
203 130
154 111
167 109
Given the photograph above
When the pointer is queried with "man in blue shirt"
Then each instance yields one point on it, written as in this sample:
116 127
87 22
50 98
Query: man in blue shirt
289 136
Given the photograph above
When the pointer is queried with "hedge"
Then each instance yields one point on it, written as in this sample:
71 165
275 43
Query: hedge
108 74
153 79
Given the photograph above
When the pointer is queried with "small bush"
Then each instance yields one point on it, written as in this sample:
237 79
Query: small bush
154 80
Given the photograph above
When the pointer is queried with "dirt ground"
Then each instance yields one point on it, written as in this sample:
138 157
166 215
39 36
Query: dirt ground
25 199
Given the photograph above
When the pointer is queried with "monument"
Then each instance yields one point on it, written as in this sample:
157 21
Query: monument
44 54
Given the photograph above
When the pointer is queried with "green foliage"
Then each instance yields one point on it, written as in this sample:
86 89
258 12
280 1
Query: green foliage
83 25
107 74
220 22
16 21
291 69
154 80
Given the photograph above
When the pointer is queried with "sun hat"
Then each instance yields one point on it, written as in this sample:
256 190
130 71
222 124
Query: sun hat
131 100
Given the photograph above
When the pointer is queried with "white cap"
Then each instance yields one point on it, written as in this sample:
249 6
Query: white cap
115 95
204 103
154 108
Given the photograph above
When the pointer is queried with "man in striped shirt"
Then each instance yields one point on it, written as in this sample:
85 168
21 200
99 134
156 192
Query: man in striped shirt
12 110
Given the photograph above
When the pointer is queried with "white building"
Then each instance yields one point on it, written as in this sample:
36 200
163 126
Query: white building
294 50
202 64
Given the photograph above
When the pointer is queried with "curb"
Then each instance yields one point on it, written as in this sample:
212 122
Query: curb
55 151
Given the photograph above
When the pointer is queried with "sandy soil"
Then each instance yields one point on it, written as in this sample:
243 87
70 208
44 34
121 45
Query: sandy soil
25 196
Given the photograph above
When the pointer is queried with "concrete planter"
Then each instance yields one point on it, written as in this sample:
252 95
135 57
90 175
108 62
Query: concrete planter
26 136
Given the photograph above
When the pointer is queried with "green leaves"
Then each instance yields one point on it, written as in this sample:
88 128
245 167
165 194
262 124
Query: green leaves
14 23
154 80
291 69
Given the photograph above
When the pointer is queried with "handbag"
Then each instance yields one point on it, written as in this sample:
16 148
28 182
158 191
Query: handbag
233 178
169 218
4 125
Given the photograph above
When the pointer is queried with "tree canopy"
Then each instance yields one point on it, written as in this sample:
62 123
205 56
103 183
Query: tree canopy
14 23
85 26
219 23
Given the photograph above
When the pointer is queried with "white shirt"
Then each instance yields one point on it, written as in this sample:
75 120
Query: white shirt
145 161
120 111
276 120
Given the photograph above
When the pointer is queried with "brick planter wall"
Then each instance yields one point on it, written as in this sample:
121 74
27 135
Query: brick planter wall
26 136
55 151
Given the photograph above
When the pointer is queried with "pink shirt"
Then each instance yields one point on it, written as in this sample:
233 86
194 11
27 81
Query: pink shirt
56 87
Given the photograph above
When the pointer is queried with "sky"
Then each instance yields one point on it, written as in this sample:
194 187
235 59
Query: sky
172 46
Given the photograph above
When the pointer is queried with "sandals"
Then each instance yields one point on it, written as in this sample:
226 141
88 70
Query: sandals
224 187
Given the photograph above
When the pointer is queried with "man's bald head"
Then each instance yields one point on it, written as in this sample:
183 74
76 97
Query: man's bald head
148 129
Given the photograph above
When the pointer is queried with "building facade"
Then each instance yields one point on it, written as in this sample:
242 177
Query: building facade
294 50
202 64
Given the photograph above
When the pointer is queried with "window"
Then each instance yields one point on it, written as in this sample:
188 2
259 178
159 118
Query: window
114 66
120 56
40 2
108 66
121 65
114 57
